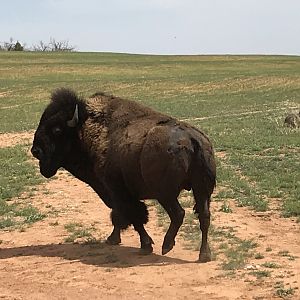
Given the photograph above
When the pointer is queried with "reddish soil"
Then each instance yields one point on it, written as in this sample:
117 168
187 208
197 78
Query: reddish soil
36 262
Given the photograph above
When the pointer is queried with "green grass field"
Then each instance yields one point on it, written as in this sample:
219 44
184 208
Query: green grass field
239 101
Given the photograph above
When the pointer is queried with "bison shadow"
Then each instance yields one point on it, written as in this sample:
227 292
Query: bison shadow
98 254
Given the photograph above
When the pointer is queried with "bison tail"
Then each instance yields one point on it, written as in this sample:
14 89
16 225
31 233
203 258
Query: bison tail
203 168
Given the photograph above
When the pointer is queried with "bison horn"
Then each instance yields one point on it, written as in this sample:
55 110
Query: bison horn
73 122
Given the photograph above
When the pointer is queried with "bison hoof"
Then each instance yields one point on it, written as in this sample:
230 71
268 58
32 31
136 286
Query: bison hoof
204 257
167 248
146 246
113 241
205 254
146 249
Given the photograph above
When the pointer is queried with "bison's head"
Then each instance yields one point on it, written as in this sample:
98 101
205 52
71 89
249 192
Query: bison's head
56 134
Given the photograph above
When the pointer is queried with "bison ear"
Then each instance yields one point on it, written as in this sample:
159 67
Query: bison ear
74 121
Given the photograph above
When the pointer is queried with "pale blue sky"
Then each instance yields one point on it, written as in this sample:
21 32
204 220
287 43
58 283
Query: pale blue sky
157 26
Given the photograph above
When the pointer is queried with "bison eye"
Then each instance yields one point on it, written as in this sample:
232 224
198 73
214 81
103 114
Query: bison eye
56 131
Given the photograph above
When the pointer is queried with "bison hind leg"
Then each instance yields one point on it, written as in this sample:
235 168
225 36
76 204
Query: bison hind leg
176 214
201 208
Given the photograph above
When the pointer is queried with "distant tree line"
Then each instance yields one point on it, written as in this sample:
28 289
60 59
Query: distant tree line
52 46
11 45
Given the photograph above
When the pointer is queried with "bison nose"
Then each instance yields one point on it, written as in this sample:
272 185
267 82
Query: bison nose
37 152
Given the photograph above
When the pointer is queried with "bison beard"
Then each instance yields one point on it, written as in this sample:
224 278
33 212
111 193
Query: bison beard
127 153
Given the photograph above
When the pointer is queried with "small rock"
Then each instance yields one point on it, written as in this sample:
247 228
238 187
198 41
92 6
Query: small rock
250 267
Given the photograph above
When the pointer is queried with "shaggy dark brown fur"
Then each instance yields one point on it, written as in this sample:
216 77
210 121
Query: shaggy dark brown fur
128 152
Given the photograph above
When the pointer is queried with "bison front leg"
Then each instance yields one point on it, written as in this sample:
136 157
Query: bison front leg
119 222
115 236
129 211
134 213
145 239
138 214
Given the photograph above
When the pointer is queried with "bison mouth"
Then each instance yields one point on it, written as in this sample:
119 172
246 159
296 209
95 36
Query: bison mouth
47 170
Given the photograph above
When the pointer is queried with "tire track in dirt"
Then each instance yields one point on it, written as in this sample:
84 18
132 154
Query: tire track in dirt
248 113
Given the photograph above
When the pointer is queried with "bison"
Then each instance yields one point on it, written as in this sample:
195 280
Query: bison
127 153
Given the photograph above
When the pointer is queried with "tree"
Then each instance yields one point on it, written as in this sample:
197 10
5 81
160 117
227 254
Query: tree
54 45
60 45
18 47
11 46
41 46
8 46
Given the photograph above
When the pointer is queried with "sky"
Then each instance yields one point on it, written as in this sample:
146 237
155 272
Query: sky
157 26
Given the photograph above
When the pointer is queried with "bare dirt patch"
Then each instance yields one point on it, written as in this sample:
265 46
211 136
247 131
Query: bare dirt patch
15 138
38 264
3 94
